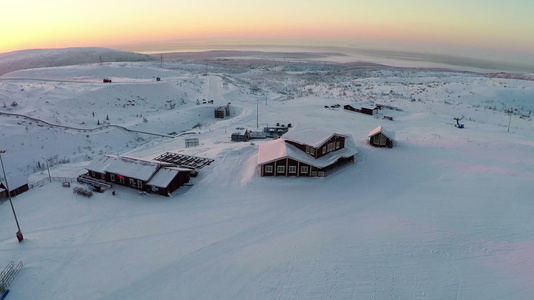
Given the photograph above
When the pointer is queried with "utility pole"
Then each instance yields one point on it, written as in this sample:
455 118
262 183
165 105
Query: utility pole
20 237
161 60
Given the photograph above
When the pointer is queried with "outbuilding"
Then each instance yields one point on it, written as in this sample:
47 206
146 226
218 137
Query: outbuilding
380 137
17 185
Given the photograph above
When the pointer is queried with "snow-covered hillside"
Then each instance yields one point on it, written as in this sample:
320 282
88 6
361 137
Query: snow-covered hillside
446 213
43 58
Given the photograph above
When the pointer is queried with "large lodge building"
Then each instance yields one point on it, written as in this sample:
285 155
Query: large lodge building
306 152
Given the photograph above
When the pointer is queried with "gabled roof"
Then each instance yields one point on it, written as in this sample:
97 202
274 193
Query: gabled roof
309 136
163 177
133 168
389 134
15 182
101 163
277 149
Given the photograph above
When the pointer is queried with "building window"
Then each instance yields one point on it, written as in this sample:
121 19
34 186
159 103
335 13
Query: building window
324 149
93 174
121 179
103 176
139 183
132 182
307 149
330 147
268 169
304 169
292 169
376 139
154 189
112 177
312 151
280 169
337 145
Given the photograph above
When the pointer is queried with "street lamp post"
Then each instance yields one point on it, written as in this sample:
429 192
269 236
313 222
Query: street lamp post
48 168
19 233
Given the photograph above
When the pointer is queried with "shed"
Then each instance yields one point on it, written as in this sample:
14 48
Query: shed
220 112
369 111
17 185
350 107
240 136
380 137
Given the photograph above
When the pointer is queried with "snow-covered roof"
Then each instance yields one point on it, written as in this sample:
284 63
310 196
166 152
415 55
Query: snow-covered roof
163 177
133 168
101 163
15 181
277 149
309 136
389 134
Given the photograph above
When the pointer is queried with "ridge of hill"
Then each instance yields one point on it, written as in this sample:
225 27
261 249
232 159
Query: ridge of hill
44 58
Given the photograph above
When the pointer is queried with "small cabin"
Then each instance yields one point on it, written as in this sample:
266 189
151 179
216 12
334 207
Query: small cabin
219 112
369 111
350 107
240 136
17 186
380 137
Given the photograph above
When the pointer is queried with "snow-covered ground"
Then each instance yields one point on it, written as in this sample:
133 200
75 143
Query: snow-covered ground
446 213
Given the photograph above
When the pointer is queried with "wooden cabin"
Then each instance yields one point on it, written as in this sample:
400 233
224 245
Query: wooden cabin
146 175
17 186
380 137
369 111
305 152
350 107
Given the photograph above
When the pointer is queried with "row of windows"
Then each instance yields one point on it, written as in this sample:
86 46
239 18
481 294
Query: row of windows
282 169
330 147
132 181
102 175
327 148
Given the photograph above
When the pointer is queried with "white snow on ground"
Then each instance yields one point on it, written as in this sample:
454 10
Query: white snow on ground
446 213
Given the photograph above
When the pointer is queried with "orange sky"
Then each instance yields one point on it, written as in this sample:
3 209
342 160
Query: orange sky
505 27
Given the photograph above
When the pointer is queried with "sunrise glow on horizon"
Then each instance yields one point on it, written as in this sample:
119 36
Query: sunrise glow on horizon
499 26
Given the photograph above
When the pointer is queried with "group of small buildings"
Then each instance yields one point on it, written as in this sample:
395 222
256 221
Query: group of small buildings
363 110
300 152
313 152
242 135
307 152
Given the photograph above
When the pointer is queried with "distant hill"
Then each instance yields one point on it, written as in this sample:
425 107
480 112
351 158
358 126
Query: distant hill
43 58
